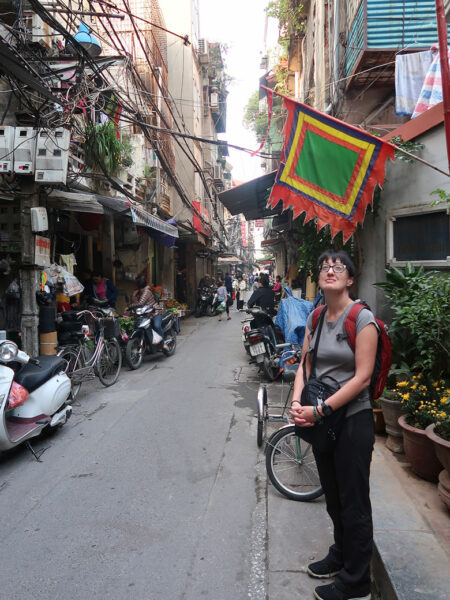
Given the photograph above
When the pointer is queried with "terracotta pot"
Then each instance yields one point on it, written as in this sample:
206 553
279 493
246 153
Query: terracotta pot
441 447
444 487
420 452
392 409
380 426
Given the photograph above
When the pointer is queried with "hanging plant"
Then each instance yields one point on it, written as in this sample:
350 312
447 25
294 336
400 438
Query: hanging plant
104 150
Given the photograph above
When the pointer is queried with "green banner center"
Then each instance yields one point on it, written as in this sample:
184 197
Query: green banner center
326 164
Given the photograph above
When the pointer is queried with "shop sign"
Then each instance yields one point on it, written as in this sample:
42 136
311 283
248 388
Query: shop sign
201 225
42 251
202 253
244 233
259 222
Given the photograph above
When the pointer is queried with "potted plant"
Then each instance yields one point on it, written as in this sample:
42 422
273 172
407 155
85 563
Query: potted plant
391 406
421 402
439 434
380 426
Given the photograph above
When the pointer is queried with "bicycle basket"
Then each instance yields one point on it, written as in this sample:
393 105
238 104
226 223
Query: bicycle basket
111 327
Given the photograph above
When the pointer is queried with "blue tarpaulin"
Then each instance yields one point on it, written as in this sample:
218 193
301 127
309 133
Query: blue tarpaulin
292 316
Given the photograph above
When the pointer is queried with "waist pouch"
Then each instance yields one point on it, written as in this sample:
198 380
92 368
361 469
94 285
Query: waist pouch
324 434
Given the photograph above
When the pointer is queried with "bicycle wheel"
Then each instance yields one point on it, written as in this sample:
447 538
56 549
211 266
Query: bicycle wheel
261 406
291 466
109 362
75 360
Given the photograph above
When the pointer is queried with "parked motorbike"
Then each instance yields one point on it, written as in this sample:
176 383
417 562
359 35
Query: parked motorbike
205 302
34 395
263 341
145 340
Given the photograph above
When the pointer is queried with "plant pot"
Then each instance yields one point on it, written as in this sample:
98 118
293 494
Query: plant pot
441 447
444 487
380 426
392 410
420 452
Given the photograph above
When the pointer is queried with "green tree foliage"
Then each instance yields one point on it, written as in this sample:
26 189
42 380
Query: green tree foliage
420 327
315 242
257 121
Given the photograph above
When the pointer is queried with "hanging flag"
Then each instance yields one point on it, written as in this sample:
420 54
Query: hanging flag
328 169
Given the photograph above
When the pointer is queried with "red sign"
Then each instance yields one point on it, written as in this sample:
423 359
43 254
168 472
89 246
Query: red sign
244 233
201 225
259 222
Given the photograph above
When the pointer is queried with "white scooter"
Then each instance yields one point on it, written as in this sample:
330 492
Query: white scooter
47 402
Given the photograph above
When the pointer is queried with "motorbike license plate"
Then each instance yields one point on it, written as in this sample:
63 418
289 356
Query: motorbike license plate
257 349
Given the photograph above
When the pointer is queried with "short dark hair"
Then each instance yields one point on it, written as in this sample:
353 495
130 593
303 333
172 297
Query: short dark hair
264 280
97 273
140 282
278 277
337 255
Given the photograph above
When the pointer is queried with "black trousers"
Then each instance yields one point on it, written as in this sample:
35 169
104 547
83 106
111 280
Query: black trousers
344 475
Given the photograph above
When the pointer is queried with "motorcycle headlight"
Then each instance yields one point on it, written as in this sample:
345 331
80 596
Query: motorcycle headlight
8 351
140 310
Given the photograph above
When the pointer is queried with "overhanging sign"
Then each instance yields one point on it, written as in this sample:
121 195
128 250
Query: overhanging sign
145 219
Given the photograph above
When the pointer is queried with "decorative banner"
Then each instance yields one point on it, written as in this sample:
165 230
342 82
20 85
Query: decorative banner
328 169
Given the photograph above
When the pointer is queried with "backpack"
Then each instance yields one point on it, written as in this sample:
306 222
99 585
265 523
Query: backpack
383 357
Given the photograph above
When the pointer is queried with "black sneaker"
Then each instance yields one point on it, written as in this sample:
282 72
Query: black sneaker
323 569
330 592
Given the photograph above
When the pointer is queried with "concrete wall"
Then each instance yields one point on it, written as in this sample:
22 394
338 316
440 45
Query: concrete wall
408 187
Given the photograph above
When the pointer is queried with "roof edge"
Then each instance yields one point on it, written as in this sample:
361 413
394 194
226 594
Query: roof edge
421 124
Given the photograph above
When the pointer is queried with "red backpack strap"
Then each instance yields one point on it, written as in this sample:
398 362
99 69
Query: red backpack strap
315 318
350 323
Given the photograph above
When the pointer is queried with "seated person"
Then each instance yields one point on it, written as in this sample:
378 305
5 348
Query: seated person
101 292
264 296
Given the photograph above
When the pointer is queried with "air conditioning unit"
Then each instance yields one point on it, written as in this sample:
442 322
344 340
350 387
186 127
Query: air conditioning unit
6 149
217 172
52 155
202 46
24 150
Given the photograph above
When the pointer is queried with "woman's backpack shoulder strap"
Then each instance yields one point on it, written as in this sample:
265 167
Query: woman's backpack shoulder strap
316 314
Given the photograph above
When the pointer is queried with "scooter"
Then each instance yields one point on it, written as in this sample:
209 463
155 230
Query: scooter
144 339
263 341
205 301
34 395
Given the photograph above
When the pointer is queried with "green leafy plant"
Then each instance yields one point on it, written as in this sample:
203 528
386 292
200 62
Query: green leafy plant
410 146
104 150
289 14
420 326
257 121
444 197
423 401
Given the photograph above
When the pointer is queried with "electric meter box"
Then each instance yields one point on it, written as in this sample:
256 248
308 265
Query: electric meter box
39 219
6 149
24 150
52 155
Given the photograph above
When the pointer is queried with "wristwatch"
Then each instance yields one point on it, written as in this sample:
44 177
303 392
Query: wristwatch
326 410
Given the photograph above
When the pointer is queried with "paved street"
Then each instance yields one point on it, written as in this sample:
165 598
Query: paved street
155 489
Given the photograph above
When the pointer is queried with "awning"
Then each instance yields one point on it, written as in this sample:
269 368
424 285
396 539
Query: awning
250 198
95 203
229 260
144 218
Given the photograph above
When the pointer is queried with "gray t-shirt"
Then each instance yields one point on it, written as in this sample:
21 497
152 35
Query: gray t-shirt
336 359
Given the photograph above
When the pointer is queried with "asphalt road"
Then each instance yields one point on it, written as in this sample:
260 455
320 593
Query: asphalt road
153 490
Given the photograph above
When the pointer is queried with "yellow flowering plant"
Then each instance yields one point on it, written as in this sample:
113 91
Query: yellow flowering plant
424 401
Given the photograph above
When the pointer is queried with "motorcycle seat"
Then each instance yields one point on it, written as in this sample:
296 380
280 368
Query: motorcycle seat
32 376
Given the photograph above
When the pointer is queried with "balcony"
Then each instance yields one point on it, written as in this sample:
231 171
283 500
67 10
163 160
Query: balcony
378 30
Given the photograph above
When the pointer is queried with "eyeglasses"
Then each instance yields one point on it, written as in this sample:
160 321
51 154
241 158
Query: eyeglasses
337 268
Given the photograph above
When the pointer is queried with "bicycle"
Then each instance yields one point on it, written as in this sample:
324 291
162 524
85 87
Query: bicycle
288 376
291 466
106 359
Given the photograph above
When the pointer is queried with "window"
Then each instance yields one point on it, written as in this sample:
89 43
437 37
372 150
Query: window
420 236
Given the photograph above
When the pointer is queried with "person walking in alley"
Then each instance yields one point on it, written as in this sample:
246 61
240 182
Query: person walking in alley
222 295
344 471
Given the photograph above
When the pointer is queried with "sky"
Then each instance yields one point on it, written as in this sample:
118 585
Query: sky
240 24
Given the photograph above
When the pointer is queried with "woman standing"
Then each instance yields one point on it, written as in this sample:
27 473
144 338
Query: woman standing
344 471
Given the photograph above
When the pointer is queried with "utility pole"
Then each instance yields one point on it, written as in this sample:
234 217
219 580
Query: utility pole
445 74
